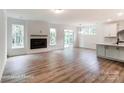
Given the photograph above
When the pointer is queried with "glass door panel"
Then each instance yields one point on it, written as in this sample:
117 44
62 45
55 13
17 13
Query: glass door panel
68 38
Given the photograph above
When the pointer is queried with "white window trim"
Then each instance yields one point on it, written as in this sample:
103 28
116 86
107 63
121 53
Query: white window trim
18 47
55 37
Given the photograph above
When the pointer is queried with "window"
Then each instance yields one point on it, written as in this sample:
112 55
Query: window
52 36
17 36
68 38
88 30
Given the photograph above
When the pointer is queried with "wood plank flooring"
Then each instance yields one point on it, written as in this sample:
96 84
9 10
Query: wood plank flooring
63 66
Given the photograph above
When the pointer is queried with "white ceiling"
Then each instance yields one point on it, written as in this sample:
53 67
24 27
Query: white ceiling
69 16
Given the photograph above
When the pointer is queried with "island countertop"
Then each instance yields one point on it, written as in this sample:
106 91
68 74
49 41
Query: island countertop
111 44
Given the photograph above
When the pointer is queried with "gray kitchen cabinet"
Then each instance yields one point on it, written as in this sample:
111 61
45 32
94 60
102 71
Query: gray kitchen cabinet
112 52
121 53
100 50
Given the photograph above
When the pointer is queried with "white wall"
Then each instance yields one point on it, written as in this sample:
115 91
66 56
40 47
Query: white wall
2 41
33 27
120 25
86 41
100 33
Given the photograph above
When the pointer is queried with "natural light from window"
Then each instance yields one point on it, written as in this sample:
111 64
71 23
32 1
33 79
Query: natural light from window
17 36
88 29
68 38
52 36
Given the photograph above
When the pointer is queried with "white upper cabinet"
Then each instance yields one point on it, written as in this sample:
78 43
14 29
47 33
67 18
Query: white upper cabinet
110 30
120 26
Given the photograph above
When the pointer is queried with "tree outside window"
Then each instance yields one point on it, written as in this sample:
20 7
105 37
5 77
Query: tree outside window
17 36
52 36
88 30
68 38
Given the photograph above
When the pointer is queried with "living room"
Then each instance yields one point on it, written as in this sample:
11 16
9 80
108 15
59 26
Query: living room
62 45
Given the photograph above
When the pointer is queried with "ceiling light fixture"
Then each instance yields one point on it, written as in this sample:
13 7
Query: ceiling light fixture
57 11
120 14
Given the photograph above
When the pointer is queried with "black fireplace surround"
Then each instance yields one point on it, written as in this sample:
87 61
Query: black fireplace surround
37 43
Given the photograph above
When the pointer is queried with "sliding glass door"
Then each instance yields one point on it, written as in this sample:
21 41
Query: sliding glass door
68 38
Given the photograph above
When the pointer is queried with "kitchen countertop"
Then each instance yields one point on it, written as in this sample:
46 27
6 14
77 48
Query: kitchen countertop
111 44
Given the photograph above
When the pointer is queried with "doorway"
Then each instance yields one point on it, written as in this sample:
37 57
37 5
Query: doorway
68 38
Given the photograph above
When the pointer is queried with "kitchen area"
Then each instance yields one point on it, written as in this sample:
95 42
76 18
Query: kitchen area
113 46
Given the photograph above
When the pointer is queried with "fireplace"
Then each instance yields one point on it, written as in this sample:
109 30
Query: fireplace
37 43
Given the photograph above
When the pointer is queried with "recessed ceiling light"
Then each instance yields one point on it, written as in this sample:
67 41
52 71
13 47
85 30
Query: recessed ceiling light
58 11
120 14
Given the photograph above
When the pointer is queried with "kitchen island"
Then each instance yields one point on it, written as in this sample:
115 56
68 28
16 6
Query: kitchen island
111 51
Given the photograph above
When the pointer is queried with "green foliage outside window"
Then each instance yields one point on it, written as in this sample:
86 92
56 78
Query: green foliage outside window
88 30
17 36
68 38
52 36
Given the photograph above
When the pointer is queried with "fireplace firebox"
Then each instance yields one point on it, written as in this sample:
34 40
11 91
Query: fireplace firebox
37 43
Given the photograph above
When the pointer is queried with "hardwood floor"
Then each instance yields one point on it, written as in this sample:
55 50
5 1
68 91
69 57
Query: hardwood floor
69 65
